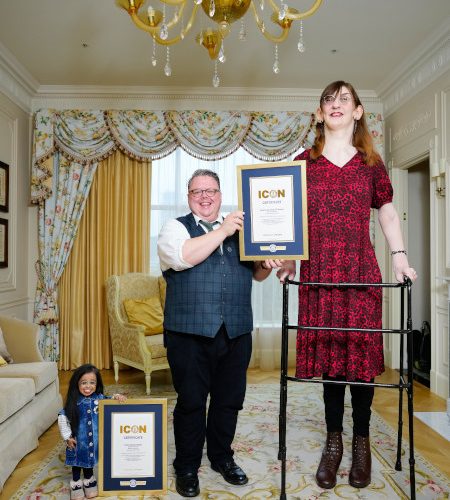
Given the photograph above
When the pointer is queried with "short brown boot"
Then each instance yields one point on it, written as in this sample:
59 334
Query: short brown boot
360 472
329 463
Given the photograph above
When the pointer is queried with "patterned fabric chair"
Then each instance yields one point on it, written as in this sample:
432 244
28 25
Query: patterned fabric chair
130 344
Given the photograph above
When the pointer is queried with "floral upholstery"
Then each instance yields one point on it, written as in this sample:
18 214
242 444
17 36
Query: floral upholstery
130 345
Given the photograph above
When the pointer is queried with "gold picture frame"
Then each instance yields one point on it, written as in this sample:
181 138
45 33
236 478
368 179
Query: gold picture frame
273 197
132 447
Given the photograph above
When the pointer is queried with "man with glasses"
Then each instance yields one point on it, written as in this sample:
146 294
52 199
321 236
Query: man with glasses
207 330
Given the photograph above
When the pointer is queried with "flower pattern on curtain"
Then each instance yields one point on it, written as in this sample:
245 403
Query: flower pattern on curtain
59 218
68 144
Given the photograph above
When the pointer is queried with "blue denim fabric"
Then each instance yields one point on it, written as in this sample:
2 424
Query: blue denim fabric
86 452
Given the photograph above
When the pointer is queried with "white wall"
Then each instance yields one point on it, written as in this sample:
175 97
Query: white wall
419 129
419 240
16 281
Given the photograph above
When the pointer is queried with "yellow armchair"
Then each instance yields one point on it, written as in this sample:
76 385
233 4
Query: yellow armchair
130 344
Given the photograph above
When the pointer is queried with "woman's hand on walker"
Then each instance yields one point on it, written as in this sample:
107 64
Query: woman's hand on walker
286 268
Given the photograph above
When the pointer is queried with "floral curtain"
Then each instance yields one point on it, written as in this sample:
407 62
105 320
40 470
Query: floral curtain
59 218
68 144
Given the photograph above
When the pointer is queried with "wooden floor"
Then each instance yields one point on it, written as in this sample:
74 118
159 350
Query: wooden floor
429 443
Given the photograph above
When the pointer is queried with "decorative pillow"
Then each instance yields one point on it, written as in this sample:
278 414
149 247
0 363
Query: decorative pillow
146 312
162 291
2 362
3 350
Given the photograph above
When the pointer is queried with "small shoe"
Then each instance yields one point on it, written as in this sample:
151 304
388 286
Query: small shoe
90 487
330 461
76 490
231 472
187 484
360 472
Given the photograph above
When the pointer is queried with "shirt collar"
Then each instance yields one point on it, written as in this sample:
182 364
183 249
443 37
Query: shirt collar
219 219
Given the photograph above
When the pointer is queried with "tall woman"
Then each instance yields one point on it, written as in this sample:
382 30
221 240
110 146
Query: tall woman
345 179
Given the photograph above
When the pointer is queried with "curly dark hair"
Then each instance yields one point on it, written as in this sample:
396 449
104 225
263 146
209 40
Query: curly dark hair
71 408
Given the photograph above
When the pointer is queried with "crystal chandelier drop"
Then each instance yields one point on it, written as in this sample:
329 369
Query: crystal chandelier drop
168 27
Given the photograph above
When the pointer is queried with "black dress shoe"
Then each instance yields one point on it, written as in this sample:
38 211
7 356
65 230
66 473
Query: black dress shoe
231 472
187 484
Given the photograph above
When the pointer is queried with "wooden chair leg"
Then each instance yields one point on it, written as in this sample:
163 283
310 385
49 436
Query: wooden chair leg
147 383
116 371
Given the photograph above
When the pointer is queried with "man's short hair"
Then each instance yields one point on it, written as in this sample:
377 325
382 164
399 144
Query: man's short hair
204 172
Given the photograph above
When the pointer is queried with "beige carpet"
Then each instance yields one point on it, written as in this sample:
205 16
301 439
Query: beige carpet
256 449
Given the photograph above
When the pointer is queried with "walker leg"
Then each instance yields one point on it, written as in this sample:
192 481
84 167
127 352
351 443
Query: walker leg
410 391
398 463
283 393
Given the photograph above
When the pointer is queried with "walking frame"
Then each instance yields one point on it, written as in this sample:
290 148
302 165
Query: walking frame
404 383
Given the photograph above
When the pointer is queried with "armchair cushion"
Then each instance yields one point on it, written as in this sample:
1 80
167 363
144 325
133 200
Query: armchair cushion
3 350
147 312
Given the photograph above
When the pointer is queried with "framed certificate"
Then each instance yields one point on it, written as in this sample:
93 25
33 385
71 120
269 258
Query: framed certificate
273 197
132 447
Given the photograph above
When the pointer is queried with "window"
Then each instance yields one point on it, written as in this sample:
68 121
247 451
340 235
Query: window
169 200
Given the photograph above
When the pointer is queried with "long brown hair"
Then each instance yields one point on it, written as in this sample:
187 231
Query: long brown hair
362 140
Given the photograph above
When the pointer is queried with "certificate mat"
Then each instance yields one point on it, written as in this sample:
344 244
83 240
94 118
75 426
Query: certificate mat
273 197
132 447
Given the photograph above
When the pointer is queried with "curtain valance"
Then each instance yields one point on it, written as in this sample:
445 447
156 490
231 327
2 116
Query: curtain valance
87 137
90 136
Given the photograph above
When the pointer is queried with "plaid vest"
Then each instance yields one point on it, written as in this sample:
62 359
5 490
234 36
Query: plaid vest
217 291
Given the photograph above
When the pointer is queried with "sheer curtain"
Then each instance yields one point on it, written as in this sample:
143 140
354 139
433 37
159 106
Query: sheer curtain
169 200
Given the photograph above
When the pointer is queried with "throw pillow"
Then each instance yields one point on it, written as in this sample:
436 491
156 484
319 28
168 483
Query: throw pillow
3 349
2 362
147 312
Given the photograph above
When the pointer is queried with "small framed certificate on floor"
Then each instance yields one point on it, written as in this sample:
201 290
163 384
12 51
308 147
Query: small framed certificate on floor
132 447
273 197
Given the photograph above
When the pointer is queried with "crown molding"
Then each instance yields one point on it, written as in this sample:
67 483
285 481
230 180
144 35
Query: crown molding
177 98
417 71
15 81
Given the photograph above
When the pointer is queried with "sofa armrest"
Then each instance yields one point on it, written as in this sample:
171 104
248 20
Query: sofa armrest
21 338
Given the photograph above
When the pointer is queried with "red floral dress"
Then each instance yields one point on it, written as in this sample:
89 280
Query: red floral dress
339 203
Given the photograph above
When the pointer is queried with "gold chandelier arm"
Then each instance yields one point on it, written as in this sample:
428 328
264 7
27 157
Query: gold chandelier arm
154 30
300 15
271 38
173 2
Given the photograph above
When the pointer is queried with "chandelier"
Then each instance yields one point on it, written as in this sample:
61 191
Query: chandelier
176 19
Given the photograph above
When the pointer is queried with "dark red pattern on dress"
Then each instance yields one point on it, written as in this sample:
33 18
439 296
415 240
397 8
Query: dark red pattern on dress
339 203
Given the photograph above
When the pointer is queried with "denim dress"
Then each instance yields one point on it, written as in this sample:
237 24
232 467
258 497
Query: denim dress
85 454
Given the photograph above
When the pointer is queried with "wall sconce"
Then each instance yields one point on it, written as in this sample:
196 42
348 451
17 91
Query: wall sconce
438 174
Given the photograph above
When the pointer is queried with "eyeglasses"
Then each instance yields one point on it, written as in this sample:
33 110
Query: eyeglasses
88 382
343 98
197 193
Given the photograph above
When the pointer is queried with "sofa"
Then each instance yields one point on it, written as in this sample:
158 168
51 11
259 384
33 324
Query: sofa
29 394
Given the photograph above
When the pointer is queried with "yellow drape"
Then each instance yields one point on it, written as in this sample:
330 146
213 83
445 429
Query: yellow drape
113 238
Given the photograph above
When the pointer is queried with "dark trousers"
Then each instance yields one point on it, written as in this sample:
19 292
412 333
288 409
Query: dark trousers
203 366
76 473
333 397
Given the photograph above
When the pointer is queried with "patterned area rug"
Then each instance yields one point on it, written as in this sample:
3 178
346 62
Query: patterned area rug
256 449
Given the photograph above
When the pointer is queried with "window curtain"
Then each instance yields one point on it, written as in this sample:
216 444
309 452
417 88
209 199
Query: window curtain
59 218
113 238
68 144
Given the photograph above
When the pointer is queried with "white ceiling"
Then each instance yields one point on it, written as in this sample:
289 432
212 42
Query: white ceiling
371 40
